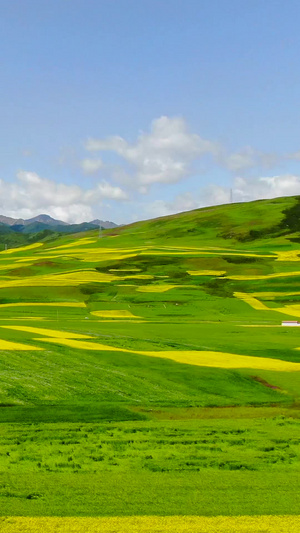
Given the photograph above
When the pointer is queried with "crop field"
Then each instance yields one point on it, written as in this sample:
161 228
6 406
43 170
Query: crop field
146 382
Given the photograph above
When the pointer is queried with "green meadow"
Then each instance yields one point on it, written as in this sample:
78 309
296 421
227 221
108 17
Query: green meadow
146 372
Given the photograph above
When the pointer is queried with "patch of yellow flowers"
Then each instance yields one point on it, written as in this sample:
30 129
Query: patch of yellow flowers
44 304
112 313
155 288
206 272
291 310
152 524
16 346
189 357
23 248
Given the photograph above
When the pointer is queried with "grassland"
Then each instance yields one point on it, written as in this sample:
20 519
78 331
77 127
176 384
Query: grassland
146 373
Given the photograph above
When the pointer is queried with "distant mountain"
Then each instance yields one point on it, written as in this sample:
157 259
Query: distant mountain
105 225
19 231
36 227
45 222
9 221
45 219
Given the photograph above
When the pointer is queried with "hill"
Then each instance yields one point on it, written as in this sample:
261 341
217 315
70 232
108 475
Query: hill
145 370
239 224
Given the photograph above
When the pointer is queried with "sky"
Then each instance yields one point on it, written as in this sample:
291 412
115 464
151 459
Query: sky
126 110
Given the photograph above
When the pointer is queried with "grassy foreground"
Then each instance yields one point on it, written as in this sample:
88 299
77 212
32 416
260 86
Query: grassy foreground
146 377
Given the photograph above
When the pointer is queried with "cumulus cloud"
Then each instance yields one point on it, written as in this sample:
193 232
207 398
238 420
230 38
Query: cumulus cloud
266 187
236 162
168 153
211 195
165 155
31 194
245 159
248 189
91 166
242 190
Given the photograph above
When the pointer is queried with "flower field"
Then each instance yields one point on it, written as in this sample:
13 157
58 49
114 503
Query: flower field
154 524
146 383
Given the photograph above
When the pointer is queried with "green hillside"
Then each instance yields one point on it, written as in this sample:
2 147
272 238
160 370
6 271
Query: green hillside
236 224
150 365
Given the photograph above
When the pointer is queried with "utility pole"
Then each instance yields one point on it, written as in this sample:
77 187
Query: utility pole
100 232
231 196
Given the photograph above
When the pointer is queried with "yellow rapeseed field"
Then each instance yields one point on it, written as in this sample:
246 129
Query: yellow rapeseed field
136 321
206 272
291 255
82 345
58 280
155 288
77 242
23 318
189 357
5 266
264 276
94 256
205 251
121 313
44 304
8 345
272 295
124 269
256 304
23 248
38 257
291 310
152 524
84 254
49 332
226 360
137 276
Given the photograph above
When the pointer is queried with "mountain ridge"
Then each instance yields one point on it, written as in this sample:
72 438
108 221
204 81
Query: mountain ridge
48 220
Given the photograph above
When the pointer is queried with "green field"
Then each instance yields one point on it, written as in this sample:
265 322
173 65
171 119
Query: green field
146 373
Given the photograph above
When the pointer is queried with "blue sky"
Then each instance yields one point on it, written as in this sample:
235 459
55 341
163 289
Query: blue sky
130 109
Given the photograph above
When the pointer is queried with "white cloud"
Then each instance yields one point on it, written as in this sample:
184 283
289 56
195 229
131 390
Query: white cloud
266 187
212 195
30 195
246 159
91 166
236 162
104 190
164 155
168 153
243 190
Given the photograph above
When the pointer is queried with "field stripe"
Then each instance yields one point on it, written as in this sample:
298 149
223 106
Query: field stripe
121 313
44 304
23 248
264 276
206 272
152 524
8 345
189 357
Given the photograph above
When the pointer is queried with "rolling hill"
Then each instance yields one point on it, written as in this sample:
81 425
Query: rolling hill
146 371
239 224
